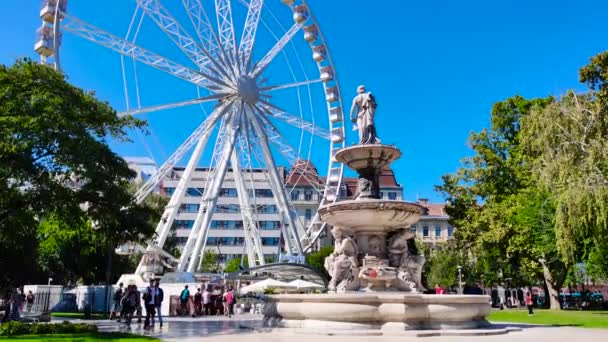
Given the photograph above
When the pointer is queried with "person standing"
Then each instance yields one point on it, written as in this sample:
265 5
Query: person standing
149 303
158 301
529 304
183 299
439 290
30 301
16 302
229 301
198 303
116 299
206 302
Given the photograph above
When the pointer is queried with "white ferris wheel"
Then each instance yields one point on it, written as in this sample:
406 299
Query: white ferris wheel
228 64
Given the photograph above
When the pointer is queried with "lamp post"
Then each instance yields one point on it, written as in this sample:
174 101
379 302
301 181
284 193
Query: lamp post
50 280
459 278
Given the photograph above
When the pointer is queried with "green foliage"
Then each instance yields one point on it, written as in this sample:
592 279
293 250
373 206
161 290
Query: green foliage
56 166
443 268
234 264
269 291
317 259
209 262
14 328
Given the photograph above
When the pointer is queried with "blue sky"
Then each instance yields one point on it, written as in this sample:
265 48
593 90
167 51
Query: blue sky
436 67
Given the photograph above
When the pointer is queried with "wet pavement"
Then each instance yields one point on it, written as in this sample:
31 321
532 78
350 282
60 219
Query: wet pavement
178 328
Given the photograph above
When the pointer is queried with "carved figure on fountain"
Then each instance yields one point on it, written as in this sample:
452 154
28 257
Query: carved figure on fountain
403 255
362 113
342 264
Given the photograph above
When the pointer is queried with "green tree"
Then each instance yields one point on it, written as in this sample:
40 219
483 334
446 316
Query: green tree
502 213
234 264
209 262
55 163
443 268
317 259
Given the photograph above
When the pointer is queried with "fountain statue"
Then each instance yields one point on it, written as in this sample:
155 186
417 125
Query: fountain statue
375 269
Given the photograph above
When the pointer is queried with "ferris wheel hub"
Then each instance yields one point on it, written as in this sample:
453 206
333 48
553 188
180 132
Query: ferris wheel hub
247 89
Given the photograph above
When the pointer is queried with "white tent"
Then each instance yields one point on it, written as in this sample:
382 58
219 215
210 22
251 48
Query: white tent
305 285
260 286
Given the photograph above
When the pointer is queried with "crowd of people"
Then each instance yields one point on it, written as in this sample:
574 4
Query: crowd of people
16 302
127 303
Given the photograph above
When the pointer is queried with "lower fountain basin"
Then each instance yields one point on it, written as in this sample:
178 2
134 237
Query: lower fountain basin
386 312
371 214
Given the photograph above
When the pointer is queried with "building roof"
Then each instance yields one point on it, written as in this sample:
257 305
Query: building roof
302 173
433 209
140 160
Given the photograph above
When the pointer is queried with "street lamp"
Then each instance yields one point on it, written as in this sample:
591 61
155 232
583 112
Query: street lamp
50 280
459 278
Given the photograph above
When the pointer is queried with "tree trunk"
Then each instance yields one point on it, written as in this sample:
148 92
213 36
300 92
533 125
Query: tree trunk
553 283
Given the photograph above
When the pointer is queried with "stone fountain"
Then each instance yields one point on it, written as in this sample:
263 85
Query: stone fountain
375 268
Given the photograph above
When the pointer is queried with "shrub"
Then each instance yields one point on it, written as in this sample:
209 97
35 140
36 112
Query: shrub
14 328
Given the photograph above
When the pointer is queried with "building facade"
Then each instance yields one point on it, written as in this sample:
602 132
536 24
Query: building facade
433 227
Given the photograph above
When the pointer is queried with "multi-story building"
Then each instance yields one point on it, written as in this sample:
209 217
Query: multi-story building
226 235
433 227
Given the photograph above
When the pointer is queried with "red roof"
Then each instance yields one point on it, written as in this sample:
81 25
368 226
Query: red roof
433 209
387 178
302 173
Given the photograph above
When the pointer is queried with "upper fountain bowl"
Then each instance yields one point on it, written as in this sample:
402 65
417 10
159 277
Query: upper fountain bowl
371 214
375 156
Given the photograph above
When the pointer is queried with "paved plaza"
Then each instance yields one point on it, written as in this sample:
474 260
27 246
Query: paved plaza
222 329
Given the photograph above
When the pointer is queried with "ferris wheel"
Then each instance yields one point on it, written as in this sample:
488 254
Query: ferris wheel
247 92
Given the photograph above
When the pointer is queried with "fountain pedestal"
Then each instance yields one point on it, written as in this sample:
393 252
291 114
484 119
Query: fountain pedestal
375 269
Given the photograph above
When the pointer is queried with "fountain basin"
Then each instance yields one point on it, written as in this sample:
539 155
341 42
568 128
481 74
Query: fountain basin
385 311
371 214
374 156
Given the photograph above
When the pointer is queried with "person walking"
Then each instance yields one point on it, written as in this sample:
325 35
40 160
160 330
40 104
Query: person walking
183 299
158 301
219 304
198 303
439 290
529 304
16 302
116 299
149 303
206 302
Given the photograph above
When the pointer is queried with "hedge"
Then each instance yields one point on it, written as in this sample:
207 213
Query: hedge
14 328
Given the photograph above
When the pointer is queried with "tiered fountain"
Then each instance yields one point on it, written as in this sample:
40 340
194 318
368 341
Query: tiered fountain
375 270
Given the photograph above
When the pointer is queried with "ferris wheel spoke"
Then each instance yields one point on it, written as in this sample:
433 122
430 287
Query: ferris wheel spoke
181 151
223 10
278 113
202 25
276 184
200 100
174 30
200 231
128 49
290 85
278 47
248 38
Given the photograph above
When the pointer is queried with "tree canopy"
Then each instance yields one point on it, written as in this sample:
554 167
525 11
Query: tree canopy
57 172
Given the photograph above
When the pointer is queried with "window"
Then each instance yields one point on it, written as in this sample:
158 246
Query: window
267 209
189 208
425 231
308 196
413 229
450 231
295 195
392 196
308 214
183 224
269 225
169 191
437 231
381 195
226 224
228 193
270 241
195 192
228 208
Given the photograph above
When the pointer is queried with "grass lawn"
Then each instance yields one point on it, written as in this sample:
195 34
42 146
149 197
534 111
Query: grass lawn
583 319
79 315
118 337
